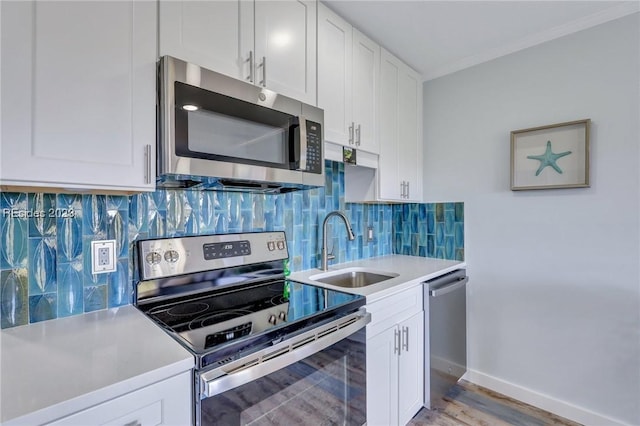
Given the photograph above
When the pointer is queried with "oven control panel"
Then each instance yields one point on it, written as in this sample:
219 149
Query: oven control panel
175 256
228 249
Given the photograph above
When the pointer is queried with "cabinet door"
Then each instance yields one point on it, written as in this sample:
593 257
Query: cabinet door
411 368
409 133
285 37
366 63
389 183
78 94
334 75
382 378
165 403
217 35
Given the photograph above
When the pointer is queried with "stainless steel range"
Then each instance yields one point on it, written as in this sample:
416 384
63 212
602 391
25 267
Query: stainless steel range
267 350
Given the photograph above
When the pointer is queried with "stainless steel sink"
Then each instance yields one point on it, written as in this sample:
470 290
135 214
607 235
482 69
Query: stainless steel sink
353 277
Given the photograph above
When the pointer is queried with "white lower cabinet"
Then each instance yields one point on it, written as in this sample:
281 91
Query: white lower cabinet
395 358
164 403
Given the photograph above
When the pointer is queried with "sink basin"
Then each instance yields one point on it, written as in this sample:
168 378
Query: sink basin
353 277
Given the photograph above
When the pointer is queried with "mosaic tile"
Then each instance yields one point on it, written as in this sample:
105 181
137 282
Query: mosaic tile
43 224
459 234
138 215
13 298
95 298
42 307
119 285
70 289
14 231
439 212
69 235
116 230
42 262
94 215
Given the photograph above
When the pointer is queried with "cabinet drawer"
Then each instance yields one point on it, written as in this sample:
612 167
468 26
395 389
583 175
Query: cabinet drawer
164 403
393 309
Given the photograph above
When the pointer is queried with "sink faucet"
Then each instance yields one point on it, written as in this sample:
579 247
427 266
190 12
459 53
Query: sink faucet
325 256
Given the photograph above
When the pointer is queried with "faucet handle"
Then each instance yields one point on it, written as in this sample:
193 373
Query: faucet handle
330 256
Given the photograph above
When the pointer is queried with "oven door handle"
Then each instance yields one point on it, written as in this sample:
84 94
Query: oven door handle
280 355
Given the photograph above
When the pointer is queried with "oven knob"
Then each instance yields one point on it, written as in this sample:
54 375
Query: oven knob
153 258
280 245
171 256
271 246
282 316
272 319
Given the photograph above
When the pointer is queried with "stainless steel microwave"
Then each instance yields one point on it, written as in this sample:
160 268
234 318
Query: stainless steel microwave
216 132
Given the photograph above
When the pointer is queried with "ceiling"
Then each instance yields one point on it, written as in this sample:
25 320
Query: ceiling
440 37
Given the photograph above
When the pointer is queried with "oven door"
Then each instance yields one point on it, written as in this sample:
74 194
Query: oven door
318 377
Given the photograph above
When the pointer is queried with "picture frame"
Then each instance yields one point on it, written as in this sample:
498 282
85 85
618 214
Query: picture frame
551 157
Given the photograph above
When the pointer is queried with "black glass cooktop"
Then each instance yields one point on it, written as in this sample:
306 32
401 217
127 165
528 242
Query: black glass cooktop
229 322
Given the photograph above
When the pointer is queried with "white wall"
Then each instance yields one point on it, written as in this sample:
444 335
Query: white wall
554 291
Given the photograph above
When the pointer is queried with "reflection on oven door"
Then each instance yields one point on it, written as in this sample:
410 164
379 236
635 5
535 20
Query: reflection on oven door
328 387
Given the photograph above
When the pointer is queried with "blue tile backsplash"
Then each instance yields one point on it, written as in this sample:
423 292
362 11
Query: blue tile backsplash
45 239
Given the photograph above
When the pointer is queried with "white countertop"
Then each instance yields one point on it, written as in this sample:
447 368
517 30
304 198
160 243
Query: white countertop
411 270
54 368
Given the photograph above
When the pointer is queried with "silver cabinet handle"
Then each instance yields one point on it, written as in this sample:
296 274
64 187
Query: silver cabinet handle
405 338
358 135
251 66
396 341
264 71
402 189
134 423
147 163
351 133
408 190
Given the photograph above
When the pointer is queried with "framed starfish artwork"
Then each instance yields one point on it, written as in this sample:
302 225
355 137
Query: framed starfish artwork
551 157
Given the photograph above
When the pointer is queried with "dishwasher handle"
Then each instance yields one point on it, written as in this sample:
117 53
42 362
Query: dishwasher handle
448 288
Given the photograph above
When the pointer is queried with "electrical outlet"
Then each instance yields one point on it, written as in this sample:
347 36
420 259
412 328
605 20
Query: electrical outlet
370 233
103 256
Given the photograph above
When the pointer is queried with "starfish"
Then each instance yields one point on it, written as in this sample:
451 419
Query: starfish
548 159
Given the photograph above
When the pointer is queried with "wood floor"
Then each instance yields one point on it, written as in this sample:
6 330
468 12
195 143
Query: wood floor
469 404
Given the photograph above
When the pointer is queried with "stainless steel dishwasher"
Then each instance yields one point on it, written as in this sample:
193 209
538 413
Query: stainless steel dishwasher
445 304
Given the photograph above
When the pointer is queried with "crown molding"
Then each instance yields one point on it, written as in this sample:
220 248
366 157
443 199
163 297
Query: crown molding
589 21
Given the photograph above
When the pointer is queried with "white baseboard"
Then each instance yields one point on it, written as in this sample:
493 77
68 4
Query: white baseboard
545 402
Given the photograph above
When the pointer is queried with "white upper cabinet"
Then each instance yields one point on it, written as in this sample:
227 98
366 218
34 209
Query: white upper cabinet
267 43
78 95
400 163
217 35
334 75
348 66
366 66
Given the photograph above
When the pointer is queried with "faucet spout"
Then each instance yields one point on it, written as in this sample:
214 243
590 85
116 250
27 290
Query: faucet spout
326 256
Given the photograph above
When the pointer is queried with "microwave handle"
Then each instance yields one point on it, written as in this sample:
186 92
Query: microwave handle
301 141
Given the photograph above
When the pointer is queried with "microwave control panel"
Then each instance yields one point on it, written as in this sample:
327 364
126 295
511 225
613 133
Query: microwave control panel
314 148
